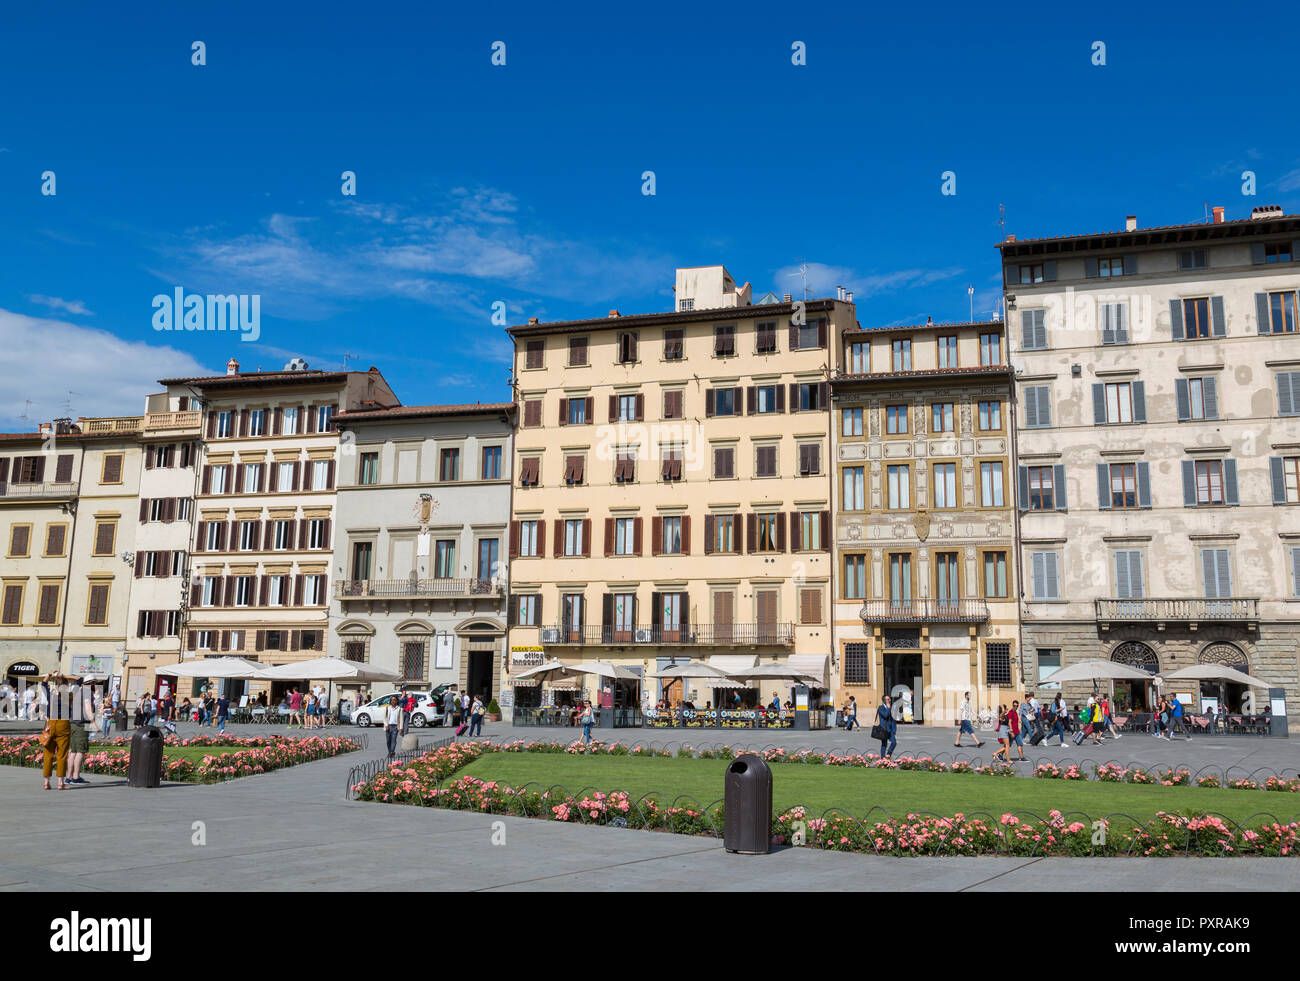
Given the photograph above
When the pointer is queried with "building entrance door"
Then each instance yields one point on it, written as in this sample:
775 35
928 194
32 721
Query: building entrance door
903 672
479 675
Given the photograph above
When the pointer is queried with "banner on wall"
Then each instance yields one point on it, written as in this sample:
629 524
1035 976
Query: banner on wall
444 651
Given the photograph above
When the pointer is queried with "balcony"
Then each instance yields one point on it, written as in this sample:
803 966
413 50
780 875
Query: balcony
412 589
124 425
185 423
48 491
925 611
688 635
1183 610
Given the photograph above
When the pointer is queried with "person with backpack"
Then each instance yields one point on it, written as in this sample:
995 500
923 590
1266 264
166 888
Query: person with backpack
1017 735
476 713
585 721
966 722
1004 736
1057 716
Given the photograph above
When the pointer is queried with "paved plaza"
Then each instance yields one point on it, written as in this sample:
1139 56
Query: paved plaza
293 829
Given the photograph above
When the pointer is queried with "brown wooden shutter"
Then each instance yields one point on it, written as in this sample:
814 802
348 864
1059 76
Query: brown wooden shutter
196 595
709 529
780 532
329 477
821 332
609 536
586 538
63 469
212 425
613 408
13 597
640 407
104 534
794 397
225 640
297 590
302 533
295 637
686 534
297 466
144 510
307 475
276 420
709 403
49 612
201 538
541 538
311 421
207 480
751 534
170 509
564 412
796 532
794 336
656 535
260 640
559 537
514 539
826 531
239 478
636 536
54 540
780 398
823 394
268 535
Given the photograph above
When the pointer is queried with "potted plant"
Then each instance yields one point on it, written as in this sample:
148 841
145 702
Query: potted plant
493 711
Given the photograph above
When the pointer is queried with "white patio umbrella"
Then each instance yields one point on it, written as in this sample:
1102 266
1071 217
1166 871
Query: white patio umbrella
1097 670
215 667
692 669
776 672
604 669
1215 672
550 670
329 669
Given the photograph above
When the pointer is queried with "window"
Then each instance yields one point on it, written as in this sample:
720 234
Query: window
1209 482
528 610
724 533
530 468
289 421
945 485
810 606
859 359
854 496
220 479
208 596
489 555
313 591
1114 322
724 401
249 535
1196 318
896 420
1119 402
686 305
724 462
724 341
573 537
810 531
765 461
1031 273
671 465
1109 268
257 422
625 466
1216 573
765 399
320 474
990 416
811 396
97 607
941 417
673 404
1128 574
282 535
369 471
105 537
855 577
1123 485
362 553
850 422
672 535
765 338
1282 313
810 459
224 421
947 584
324 413
900 577
213 536
244 590
536 354
901 350
1038 406
990 349
577 411
900 486
414 660
1041 489
626 406
316 533
444 559
13 604
997 657
532 413
1033 330
995 575
55 535
449 464
948 351
20 541
111 473
573 470
673 339
491 465
252 478
577 352
627 347
1193 259
767 533
277 590
1286 479
857 664
1278 252
1049 662
1197 398
1046 583
530 535
991 495
625 536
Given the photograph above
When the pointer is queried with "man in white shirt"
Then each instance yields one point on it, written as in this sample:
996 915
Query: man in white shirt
967 720
6 701
392 723
29 699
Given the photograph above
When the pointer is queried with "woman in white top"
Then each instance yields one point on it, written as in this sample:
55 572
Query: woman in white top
392 724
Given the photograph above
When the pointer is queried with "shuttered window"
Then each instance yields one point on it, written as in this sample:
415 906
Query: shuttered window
1038 406
577 352
724 462
855 576
1288 393
1033 330
1129 581
20 537
13 605
673 404
1208 483
48 610
536 354
54 539
724 341
673 344
765 461
1284 474
1295 572
1216 573
532 413
1045 581
810 606
105 537
97 610
1114 322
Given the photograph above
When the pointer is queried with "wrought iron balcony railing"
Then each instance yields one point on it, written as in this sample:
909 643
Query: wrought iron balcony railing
371 589
1189 609
685 635
925 611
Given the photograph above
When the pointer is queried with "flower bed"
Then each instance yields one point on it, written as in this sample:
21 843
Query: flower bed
430 781
259 754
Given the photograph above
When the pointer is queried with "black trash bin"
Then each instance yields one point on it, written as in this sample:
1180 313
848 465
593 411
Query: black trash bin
121 719
747 806
146 758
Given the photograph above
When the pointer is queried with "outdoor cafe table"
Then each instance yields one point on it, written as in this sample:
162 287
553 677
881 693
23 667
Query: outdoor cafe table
719 719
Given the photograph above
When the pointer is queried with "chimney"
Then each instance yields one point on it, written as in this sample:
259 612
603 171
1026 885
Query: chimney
614 313
786 297
849 296
232 367
1266 211
1218 214
532 320
839 292
1011 238
1130 223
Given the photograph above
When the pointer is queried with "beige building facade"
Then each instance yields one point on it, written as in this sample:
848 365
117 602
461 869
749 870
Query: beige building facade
672 488
925 599
1158 450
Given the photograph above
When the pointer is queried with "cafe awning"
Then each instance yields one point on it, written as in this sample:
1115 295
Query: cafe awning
810 665
730 664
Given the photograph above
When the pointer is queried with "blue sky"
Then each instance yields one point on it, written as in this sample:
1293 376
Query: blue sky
523 183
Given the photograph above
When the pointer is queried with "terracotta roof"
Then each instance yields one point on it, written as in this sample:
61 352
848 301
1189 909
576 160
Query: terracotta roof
16 437
714 315
930 326
924 373
1264 226
417 411
259 378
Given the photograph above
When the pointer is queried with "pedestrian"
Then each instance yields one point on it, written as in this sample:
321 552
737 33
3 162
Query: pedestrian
464 706
295 707
82 718
392 723
851 715
1004 736
115 701
223 713
29 703
450 704
1057 715
1165 716
57 734
1086 716
585 720
323 708
775 704
405 701
966 722
309 710
1176 711
476 713
1107 723
7 700
105 717
885 728
1016 735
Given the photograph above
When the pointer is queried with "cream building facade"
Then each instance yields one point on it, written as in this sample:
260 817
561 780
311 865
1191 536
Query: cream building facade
925 603
1159 451
672 486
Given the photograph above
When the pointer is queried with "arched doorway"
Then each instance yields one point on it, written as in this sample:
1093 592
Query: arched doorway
1229 694
481 643
1135 696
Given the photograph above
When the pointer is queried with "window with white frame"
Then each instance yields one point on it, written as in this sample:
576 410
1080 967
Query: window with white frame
528 538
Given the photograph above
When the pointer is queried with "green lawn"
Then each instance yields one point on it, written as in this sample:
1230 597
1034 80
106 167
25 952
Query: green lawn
856 790
194 754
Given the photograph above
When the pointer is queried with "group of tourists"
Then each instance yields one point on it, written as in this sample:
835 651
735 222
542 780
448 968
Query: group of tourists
306 709
71 707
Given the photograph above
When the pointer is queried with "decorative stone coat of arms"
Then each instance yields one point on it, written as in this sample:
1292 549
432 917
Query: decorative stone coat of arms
921 522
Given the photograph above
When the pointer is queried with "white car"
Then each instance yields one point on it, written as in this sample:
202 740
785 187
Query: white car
427 712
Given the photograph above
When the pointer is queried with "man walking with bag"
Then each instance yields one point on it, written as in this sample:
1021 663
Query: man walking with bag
966 722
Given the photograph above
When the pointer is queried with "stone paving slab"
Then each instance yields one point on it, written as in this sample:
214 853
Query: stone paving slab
293 830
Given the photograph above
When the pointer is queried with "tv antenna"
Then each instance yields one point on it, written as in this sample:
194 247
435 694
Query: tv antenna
346 355
803 276
970 292
67 405
1002 221
27 410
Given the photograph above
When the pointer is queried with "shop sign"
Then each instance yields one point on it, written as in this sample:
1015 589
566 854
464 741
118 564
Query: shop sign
526 657
24 667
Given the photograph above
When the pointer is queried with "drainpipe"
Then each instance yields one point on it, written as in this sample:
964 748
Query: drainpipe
73 507
1014 477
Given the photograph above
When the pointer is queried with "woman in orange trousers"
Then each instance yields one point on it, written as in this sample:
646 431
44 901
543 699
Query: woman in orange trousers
60 715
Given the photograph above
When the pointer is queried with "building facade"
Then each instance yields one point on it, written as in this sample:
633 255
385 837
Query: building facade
1159 451
423 512
925 604
672 487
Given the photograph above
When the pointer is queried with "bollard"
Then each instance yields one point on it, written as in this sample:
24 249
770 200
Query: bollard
747 806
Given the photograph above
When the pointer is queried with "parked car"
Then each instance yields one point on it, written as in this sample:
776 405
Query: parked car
427 711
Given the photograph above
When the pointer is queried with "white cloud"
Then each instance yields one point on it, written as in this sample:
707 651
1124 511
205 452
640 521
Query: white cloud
111 376
823 278
57 303
1289 181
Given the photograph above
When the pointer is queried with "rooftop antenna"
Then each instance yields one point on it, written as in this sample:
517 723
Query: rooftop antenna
67 405
26 409
1002 221
970 292
346 355
803 276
